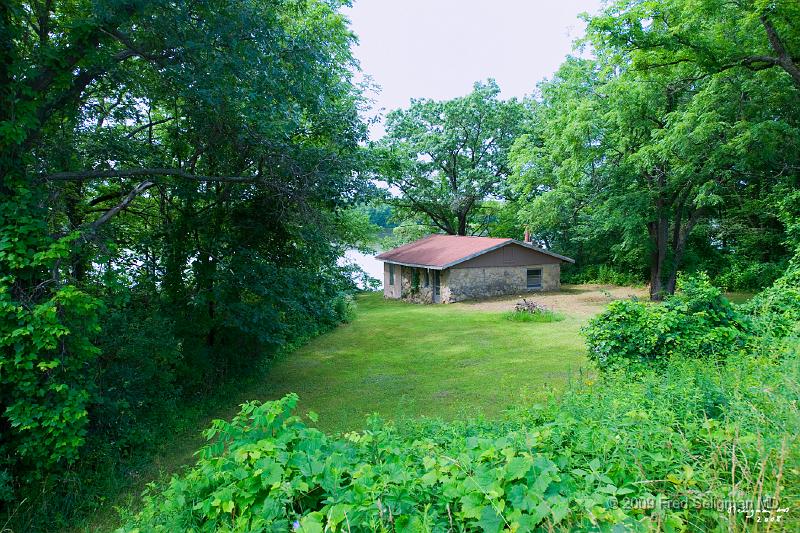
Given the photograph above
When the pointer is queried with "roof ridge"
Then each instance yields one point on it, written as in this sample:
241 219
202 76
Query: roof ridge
440 251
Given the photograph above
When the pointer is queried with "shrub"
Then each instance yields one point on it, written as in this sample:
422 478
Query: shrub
776 310
698 322
543 316
602 274
344 306
749 276
692 433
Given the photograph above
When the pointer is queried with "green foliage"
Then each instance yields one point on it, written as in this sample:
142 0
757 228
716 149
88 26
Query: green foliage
177 184
448 158
776 310
697 322
382 216
541 316
646 156
405 233
576 464
752 276
602 274
45 349
344 307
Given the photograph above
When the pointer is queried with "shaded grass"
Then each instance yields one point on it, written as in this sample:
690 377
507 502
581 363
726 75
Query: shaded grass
406 360
739 297
398 359
182 437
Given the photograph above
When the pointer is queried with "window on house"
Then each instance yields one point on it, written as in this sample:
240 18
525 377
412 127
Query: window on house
391 274
426 282
534 278
436 282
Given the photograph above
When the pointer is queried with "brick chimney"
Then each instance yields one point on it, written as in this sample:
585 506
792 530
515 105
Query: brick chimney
527 237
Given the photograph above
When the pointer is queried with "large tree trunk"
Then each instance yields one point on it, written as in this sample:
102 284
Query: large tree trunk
673 272
462 224
784 59
658 235
680 236
659 231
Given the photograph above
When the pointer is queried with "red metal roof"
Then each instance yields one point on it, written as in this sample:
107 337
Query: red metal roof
440 251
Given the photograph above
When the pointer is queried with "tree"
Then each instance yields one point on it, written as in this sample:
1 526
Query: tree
642 151
188 164
447 158
712 35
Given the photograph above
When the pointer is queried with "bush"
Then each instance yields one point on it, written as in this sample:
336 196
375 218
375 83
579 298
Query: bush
698 322
684 435
543 316
344 306
776 310
749 276
603 275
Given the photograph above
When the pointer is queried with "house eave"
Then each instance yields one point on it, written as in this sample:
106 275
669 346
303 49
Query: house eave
477 254
415 265
546 252
511 241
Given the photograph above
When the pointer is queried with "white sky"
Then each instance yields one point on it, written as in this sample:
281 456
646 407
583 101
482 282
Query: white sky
439 48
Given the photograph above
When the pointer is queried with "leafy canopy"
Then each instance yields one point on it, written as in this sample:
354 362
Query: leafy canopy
448 158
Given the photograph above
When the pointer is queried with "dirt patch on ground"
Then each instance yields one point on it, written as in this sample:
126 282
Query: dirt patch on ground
573 300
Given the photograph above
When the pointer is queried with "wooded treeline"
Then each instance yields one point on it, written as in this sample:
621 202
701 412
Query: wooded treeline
672 144
176 184
178 181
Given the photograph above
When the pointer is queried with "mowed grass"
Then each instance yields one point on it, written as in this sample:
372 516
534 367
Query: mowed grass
396 359
405 360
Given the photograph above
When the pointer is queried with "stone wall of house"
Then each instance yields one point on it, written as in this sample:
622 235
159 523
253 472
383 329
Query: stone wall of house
422 291
468 283
404 286
391 290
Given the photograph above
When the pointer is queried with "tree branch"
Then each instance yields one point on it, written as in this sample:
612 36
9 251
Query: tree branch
108 215
148 125
89 40
81 175
104 197
784 59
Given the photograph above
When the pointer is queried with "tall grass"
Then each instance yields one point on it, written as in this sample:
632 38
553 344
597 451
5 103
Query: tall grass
540 316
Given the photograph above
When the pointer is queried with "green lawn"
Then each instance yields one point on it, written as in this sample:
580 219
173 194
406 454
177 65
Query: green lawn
399 360
405 360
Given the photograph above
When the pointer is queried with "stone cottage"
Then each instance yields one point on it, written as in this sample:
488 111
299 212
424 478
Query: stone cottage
450 268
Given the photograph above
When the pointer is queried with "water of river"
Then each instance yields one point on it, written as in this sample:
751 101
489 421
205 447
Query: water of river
368 264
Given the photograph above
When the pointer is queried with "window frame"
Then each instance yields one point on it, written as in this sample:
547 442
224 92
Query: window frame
528 277
391 274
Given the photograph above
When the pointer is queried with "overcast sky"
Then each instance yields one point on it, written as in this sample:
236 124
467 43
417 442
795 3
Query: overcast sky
439 48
